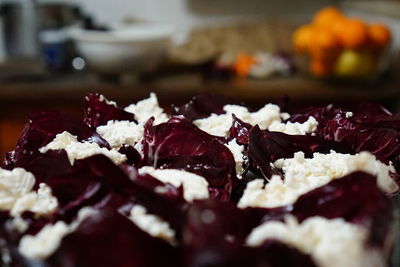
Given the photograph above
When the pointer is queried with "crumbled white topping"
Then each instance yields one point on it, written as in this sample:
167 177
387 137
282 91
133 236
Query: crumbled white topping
335 165
17 196
285 115
330 243
349 114
294 128
40 202
219 124
44 243
14 184
17 223
108 102
48 239
194 186
237 152
77 150
147 108
119 133
152 224
302 175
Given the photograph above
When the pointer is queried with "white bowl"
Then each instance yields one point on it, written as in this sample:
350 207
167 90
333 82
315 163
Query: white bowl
138 47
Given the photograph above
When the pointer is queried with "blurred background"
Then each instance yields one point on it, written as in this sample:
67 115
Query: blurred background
314 51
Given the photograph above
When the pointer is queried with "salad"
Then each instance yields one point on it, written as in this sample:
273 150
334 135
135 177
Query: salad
213 184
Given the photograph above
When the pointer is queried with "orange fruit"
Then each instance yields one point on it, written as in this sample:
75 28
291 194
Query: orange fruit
320 68
354 34
338 26
324 45
325 17
379 34
302 38
243 63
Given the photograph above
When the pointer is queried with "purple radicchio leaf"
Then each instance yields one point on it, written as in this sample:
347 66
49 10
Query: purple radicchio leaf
42 129
203 105
98 111
356 198
97 181
265 147
215 233
370 128
108 238
178 144
240 130
133 156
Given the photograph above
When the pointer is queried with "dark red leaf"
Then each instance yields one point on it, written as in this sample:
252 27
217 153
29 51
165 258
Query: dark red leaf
98 111
178 144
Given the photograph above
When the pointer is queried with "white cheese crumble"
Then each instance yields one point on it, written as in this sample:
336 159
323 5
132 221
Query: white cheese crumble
17 195
152 224
194 186
330 243
17 223
219 124
48 239
77 150
294 128
237 152
285 115
349 114
40 202
335 165
119 133
147 108
303 175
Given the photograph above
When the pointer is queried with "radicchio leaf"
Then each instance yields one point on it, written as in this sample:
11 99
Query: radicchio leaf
370 128
97 181
265 147
203 105
240 130
215 233
178 144
133 156
356 198
108 238
42 129
98 111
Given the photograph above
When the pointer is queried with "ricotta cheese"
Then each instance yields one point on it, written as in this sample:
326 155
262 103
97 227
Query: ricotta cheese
77 150
17 223
330 243
152 224
237 152
147 108
219 125
349 114
17 195
119 133
294 128
48 239
40 202
194 186
303 175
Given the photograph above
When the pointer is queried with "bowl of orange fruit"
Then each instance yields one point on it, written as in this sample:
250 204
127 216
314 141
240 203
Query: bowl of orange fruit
340 46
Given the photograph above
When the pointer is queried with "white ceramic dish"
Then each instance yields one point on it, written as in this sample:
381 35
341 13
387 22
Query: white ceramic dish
134 48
